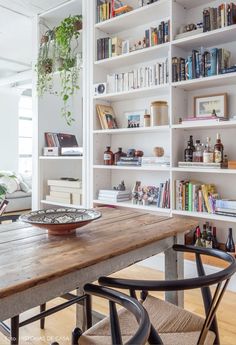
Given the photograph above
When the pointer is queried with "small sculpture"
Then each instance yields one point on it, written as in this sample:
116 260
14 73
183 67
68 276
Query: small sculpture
121 186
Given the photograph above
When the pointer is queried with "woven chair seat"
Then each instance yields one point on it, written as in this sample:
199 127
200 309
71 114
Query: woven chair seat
175 325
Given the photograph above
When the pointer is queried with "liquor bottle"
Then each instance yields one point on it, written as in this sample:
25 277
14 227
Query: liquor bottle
229 245
108 156
198 153
188 153
218 150
198 242
209 239
118 155
204 235
191 143
215 243
208 154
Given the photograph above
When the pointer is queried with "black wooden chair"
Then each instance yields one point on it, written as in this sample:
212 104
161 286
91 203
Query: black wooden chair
114 335
172 324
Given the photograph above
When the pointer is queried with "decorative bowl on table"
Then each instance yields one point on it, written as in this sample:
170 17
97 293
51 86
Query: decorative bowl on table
60 221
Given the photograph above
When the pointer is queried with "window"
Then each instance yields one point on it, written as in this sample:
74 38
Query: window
25 134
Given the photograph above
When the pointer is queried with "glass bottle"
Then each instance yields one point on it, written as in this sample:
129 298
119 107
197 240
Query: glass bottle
118 155
209 239
218 150
188 153
215 243
229 245
208 154
198 153
108 156
204 235
198 242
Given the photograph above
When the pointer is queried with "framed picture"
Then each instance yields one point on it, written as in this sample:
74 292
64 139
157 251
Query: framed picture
106 116
125 47
135 118
210 105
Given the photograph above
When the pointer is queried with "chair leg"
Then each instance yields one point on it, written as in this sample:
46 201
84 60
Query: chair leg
15 330
42 321
75 336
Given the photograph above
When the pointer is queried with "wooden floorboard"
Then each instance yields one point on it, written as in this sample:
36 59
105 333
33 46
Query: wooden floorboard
59 326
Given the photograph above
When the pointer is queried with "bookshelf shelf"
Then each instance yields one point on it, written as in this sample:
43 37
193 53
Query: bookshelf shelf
209 39
191 3
219 80
206 171
116 167
133 130
208 216
146 14
137 93
206 124
135 57
52 203
60 158
130 205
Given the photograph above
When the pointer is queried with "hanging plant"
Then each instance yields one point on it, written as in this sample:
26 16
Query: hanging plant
65 34
44 66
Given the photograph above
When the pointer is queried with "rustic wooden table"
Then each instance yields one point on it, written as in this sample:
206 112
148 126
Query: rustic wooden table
36 267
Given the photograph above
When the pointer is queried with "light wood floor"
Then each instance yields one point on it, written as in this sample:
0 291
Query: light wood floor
59 326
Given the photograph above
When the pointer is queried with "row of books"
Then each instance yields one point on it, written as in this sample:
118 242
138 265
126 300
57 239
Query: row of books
195 197
112 195
142 77
157 35
226 207
60 140
107 9
65 192
201 63
163 200
219 17
108 47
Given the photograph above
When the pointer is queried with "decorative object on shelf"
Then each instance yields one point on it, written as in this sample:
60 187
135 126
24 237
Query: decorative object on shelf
158 151
231 164
135 118
147 120
108 156
131 153
61 144
152 195
61 221
106 116
229 245
159 113
121 186
138 153
100 89
118 155
125 47
211 106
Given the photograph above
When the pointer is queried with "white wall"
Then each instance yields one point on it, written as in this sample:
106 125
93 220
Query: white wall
9 100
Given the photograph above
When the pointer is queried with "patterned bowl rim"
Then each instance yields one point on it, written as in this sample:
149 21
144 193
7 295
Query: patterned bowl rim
26 217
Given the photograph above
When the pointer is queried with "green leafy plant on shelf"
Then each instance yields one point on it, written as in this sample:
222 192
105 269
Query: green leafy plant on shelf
67 32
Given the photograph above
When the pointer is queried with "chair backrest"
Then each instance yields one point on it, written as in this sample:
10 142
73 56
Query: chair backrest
132 305
203 281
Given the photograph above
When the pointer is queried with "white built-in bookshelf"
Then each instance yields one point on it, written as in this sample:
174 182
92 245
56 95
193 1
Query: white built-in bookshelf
179 95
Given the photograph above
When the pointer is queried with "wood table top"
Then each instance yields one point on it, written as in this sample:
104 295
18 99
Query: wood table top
29 256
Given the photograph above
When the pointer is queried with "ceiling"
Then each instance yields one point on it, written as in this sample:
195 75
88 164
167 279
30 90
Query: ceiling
16 33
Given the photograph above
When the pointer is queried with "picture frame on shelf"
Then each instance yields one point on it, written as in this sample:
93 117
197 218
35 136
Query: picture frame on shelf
135 118
211 105
106 116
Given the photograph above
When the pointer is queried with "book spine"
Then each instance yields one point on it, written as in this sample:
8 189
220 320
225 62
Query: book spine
190 196
186 196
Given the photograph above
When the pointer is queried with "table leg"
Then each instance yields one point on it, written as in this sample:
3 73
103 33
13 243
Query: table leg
174 269
15 330
80 312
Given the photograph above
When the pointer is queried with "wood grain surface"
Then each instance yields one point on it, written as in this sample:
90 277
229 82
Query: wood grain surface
29 256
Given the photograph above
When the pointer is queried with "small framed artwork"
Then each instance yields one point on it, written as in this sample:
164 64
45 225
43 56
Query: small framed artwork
135 118
211 105
106 116
125 47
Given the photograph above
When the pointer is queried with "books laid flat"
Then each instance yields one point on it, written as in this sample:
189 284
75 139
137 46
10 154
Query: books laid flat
114 195
65 183
155 161
60 140
226 204
199 165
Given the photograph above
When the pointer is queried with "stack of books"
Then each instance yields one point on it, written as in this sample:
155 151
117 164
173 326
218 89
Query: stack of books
193 196
200 165
201 63
65 192
130 161
155 161
219 17
141 77
226 207
112 195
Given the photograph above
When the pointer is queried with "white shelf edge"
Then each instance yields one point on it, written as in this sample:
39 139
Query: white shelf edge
205 216
205 170
132 130
131 54
207 124
130 205
132 92
116 167
45 202
143 9
196 81
61 158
